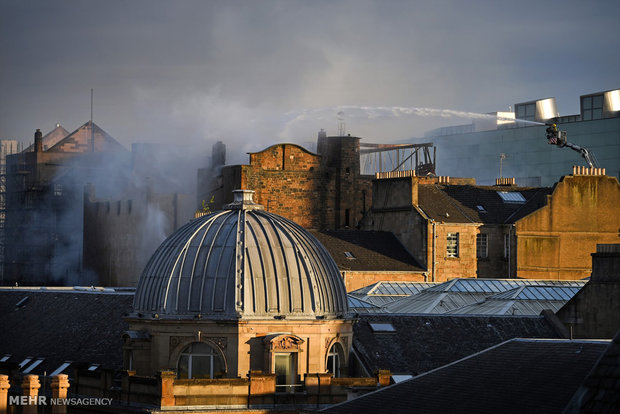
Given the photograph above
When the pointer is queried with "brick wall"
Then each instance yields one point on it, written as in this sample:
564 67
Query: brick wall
316 191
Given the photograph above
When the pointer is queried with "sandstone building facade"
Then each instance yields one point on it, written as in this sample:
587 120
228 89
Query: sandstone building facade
458 229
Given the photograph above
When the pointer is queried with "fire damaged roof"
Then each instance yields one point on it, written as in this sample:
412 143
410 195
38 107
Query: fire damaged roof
51 138
517 376
80 141
62 324
367 250
480 204
420 343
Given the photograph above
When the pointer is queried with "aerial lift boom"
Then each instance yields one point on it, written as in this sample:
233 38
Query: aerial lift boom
555 137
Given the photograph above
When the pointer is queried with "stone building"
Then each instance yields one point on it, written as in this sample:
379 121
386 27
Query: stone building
239 291
594 312
318 191
44 203
455 228
556 240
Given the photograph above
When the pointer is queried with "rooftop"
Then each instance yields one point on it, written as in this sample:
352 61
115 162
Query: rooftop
367 250
516 376
420 343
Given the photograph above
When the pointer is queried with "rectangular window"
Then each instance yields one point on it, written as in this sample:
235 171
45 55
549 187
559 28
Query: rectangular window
482 246
592 107
506 246
452 249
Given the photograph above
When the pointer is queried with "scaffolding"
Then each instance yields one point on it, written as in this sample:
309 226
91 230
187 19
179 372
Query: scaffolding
7 147
376 158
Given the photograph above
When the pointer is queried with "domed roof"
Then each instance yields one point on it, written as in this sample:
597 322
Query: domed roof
241 262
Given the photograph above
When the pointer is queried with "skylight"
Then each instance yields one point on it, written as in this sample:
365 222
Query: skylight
60 369
349 255
401 378
481 209
5 358
24 362
382 327
33 365
514 197
93 367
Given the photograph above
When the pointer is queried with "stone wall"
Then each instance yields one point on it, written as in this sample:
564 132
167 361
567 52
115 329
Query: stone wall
555 241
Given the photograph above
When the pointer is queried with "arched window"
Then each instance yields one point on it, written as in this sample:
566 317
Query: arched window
200 360
334 359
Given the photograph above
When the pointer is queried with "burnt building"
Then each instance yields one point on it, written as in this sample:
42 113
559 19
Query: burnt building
44 203
320 191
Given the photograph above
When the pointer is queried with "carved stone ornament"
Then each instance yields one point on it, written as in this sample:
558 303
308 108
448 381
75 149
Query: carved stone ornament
286 343
176 340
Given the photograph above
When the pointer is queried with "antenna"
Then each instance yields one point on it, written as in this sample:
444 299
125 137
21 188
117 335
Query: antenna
341 125
92 132
502 157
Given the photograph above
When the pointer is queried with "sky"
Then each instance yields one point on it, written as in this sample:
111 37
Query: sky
254 73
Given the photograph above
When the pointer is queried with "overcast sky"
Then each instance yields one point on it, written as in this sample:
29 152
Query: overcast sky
244 71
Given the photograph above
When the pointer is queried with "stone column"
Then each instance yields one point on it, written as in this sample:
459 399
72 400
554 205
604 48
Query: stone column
60 384
30 388
166 379
4 392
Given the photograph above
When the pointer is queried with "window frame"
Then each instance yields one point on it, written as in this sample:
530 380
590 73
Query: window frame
452 245
482 240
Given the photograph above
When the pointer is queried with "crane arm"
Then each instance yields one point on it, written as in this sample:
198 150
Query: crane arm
555 137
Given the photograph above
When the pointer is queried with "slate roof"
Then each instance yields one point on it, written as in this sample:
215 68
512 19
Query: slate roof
63 325
424 342
517 376
459 203
372 250
600 391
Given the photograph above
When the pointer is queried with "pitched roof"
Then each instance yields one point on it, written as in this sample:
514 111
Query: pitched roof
370 250
420 343
384 292
517 376
600 391
80 141
466 294
51 138
479 204
62 324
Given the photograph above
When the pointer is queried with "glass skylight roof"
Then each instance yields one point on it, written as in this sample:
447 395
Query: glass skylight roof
382 327
511 197
357 303
497 285
563 293
60 369
398 288
33 365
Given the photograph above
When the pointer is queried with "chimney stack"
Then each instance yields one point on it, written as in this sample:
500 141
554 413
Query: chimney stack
38 141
